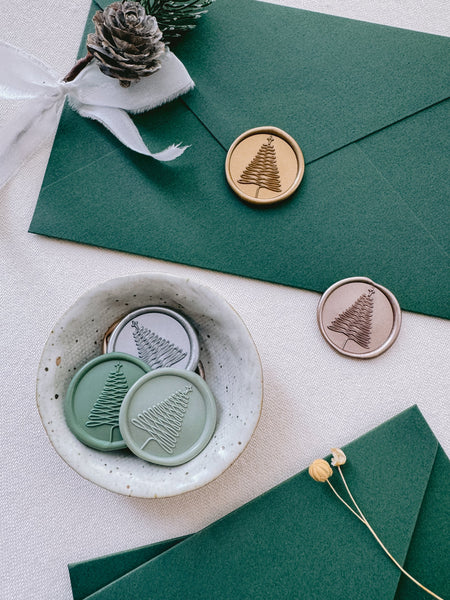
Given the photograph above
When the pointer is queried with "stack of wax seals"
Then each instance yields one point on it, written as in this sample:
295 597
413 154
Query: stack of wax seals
143 393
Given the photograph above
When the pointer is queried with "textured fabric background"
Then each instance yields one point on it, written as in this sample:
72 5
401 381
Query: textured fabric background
314 398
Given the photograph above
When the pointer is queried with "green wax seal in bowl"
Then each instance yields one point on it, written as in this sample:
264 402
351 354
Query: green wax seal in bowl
95 395
168 416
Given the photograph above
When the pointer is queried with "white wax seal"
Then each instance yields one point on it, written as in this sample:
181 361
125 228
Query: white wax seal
159 336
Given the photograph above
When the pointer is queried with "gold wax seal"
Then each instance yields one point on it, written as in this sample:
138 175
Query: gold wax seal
264 165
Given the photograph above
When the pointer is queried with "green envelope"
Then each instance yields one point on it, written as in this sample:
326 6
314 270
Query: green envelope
90 576
297 541
368 105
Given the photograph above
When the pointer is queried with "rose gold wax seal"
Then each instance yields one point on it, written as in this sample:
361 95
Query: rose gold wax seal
359 318
264 165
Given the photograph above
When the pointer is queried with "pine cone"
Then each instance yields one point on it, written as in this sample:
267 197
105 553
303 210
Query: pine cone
126 42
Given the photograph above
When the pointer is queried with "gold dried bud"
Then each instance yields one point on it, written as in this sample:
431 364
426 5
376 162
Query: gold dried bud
320 470
339 457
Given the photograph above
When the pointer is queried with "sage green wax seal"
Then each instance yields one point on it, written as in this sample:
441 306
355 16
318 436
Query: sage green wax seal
168 416
94 398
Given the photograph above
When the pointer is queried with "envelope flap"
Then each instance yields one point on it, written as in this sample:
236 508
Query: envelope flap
429 550
326 80
88 576
298 540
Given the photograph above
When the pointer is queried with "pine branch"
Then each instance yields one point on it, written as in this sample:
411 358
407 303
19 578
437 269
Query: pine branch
175 17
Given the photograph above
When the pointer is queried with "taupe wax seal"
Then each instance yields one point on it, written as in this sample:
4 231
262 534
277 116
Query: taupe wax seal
359 318
264 165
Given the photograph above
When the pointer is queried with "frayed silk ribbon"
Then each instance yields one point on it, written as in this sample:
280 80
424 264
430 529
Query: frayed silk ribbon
92 94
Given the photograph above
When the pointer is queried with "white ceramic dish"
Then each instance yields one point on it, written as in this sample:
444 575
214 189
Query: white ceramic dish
232 370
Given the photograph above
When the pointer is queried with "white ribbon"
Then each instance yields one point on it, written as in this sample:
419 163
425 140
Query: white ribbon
92 94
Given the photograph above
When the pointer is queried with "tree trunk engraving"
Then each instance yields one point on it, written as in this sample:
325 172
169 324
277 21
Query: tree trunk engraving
106 409
164 421
356 321
154 350
262 171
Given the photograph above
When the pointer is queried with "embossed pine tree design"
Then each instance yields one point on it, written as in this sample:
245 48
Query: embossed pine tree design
156 351
163 422
106 409
356 321
262 171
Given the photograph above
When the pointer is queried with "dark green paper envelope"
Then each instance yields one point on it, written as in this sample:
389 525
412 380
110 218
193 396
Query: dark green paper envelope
367 104
90 576
297 541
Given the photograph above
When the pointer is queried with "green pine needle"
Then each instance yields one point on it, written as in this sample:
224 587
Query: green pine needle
175 17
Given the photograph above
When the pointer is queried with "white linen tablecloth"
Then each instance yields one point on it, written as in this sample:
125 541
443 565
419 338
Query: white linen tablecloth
314 398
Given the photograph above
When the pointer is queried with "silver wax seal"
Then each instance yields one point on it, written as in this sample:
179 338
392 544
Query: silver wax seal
359 318
159 336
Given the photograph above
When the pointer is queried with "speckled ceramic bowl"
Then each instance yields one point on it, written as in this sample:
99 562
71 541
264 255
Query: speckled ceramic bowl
227 352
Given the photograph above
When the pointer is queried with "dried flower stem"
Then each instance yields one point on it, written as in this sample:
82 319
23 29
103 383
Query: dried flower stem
362 518
344 502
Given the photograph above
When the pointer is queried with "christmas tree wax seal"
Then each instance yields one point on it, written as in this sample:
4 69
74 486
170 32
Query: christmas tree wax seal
359 318
264 165
94 398
168 416
159 336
